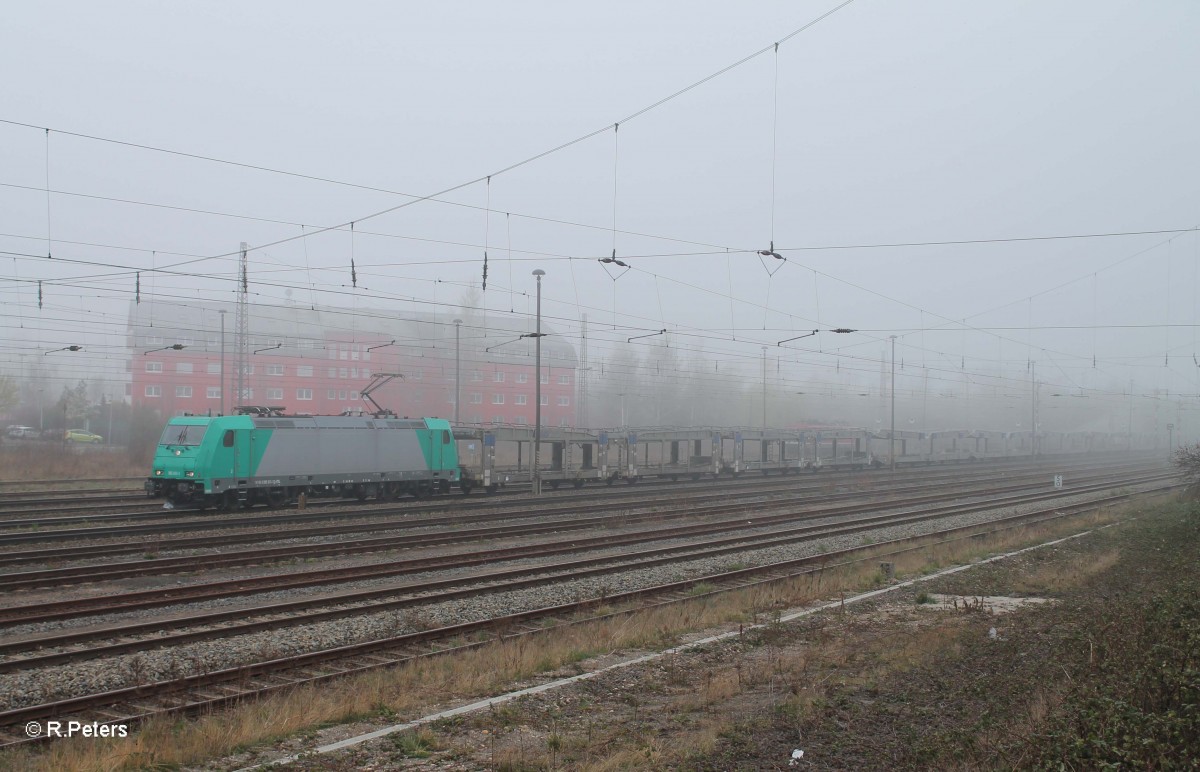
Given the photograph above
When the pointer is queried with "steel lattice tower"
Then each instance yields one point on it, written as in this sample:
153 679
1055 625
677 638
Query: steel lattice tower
242 336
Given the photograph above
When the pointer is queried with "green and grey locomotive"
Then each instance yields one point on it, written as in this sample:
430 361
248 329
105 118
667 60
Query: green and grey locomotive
229 462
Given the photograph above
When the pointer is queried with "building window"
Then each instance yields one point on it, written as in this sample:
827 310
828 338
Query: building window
564 401
415 375
354 354
154 391
342 394
154 367
497 419
154 340
545 400
183 367
520 400
522 378
186 342
366 373
304 394
277 369
342 354
476 376
353 372
331 394
476 398
497 399
343 372
333 353
545 377
498 377
277 394
213 392
562 422
353 395
275 341
213 368
304 371
522 420
183 391
304 344
213 342
564 380
331 372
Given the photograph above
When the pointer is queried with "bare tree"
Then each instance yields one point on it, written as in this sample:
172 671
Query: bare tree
9 394
1187 459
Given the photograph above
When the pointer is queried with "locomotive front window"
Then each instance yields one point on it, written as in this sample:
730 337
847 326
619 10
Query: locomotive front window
175 434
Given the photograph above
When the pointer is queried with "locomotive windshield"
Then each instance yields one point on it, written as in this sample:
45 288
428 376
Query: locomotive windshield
182 435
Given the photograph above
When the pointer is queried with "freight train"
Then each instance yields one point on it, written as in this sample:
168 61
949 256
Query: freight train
265 457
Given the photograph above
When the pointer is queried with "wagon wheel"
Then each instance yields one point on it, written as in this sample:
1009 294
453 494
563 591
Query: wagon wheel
276 497
578 483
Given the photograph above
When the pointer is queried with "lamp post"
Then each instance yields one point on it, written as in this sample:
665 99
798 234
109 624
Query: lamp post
457 367
41 416
222 386
537 367
1129 433
1033 427
892 433
764 385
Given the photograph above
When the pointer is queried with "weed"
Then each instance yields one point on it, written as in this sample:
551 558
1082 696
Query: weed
415 744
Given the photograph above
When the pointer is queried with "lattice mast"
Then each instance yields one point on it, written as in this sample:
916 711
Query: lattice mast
242 325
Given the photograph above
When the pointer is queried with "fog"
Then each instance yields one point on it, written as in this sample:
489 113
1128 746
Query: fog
999 202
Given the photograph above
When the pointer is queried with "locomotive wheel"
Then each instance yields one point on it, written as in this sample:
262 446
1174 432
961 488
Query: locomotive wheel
609 480
465 487
276 497
229 502
443 486
578 483
695 478
493 488
554 484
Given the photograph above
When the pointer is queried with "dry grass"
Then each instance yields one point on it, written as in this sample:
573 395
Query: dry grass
56 461
414 690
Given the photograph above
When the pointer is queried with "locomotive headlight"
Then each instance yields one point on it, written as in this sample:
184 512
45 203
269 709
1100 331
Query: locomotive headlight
158 473
189 473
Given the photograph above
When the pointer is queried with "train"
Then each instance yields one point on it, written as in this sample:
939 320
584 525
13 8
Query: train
262 456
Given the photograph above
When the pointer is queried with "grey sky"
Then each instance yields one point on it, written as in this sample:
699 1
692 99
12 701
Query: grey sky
897 122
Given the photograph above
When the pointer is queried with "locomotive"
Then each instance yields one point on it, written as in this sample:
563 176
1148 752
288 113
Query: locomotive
265 457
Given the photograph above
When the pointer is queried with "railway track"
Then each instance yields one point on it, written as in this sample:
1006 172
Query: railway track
292 613
218 688
140 509
574 521
511 510
43 529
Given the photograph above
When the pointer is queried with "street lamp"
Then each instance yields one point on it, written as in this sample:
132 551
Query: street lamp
457 367
172 347
64 348
892 434
764 384
537 367
222 388
839 330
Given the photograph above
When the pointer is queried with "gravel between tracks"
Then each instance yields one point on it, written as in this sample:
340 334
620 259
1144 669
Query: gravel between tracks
73 679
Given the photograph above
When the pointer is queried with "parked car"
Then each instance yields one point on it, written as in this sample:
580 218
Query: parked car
21 432
79 435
